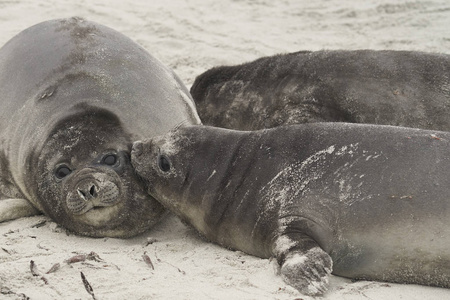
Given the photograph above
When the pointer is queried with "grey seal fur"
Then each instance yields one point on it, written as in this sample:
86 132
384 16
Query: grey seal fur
400 88
366 201
74 95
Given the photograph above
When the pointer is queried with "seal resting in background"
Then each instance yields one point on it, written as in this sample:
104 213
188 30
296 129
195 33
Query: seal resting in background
401 88
368 201
74 95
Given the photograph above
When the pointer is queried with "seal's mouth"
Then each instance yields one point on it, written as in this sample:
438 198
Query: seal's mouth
98 208
99 215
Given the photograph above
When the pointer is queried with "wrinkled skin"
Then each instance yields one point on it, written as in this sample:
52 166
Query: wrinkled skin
75 94
368 202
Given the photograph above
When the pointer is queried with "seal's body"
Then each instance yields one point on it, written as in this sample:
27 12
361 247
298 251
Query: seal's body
373 199
74 94
401 88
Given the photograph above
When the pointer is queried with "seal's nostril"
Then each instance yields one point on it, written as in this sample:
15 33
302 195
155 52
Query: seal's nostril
86 194
137 149
82 194
92 191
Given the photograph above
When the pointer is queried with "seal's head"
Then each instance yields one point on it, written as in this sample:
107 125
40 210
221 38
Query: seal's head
84 179
184 170
162 166
166 165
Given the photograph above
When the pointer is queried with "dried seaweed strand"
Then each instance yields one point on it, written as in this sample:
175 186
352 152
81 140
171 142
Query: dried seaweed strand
54 268
179 270
147 260
34 270
83 257
40 224
87 286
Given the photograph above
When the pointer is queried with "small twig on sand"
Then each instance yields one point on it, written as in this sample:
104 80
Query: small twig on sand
54 268
83 257
87 286
76 258
40 224
147 260
34 270
41 247
7 291
179 270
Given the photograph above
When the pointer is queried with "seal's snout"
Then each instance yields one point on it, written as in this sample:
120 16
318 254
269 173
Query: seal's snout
138 148
96 191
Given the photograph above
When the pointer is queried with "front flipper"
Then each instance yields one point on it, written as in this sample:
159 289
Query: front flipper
11 209
304 265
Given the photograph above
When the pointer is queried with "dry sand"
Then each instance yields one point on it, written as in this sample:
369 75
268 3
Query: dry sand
191 36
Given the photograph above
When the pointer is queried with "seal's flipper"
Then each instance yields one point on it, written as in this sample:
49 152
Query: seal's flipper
11 209
304 265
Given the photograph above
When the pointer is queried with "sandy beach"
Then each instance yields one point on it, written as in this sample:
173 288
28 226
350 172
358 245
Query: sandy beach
191 36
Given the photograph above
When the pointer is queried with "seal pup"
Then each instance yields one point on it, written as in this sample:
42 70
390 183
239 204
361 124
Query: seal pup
401 88
368 201
74 95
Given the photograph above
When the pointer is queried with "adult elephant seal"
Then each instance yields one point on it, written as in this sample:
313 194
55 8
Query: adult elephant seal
400 88
74 94
372 199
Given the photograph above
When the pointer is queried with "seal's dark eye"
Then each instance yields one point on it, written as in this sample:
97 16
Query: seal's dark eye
109 160
164 163
62 171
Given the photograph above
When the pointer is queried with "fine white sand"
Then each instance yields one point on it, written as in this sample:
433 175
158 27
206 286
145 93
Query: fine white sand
191 36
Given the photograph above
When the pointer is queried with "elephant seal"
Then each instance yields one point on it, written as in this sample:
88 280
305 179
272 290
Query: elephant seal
368 201
74 95
400 88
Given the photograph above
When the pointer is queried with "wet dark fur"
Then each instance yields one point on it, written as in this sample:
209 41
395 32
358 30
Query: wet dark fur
402 88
